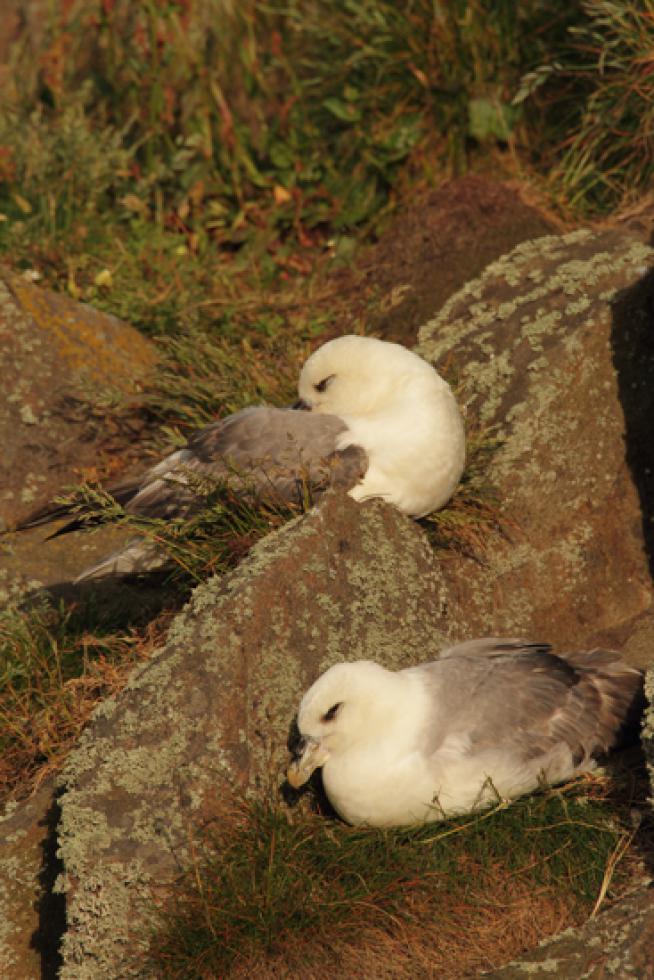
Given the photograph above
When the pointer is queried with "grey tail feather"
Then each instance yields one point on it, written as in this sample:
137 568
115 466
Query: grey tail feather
137 557
618 691
122 494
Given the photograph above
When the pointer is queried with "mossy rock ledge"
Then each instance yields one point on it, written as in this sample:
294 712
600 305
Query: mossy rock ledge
553 345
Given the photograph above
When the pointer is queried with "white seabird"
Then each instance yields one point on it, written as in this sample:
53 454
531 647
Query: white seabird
377 419
490 720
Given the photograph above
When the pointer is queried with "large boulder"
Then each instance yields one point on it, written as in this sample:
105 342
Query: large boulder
211 712
554 350
56 356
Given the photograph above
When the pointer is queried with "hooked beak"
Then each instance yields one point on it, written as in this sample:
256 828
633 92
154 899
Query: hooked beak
301 406
309 756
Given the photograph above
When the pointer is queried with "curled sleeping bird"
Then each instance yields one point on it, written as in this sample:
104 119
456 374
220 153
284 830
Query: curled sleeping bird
491 719
373 417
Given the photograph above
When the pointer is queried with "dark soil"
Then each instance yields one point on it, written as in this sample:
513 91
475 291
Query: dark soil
431 248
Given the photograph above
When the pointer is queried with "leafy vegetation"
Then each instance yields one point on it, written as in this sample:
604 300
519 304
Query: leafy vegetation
255 124
609 158
249 140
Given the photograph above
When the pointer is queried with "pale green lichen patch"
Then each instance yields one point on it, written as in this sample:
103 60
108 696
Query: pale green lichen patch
567 288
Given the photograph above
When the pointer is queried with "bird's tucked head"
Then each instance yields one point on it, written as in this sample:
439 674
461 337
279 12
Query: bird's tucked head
360 375
349 704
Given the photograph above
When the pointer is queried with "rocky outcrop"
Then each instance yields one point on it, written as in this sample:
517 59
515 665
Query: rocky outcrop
55 357
540 343
554 352
552 346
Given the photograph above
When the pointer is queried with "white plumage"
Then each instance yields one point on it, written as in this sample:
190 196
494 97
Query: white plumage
399 410
490 720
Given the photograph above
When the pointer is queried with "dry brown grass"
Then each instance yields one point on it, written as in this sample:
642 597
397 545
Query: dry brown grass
44 709
464 940
272 894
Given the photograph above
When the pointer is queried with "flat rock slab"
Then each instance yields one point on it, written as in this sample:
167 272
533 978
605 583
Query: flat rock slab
55 355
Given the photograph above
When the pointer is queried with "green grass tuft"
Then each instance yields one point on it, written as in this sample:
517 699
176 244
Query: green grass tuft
474 515
210 540
264 883
57 660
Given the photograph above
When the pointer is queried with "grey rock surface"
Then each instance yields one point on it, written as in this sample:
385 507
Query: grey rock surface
554 350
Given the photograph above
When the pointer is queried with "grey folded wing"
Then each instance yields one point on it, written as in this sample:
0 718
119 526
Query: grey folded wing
275 453
517 696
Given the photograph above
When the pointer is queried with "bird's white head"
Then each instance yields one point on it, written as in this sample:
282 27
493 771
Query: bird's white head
356 376
345 706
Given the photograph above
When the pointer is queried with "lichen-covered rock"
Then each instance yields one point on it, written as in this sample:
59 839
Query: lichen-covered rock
54 355
554 347
31 918
212 709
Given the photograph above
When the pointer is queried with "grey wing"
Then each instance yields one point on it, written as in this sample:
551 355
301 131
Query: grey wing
488 646
348 467
529 700
273 451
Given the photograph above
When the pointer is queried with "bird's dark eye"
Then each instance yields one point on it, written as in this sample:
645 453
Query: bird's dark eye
322 385
333 711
